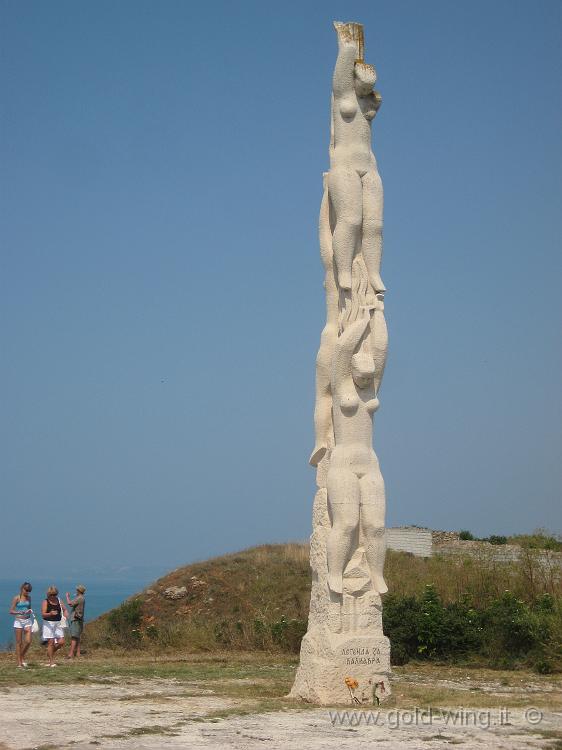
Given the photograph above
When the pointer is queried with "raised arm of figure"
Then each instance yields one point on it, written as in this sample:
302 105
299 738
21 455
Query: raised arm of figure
345 347
343 81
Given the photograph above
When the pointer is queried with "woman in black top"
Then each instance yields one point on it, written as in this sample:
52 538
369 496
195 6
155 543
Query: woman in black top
52 611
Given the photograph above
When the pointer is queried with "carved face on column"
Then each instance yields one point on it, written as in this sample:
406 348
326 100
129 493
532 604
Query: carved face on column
362 370
364 80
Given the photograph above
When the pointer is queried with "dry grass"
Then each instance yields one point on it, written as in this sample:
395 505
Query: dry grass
481 578
107 666
258 682
242 600
297 552
418 684
259 598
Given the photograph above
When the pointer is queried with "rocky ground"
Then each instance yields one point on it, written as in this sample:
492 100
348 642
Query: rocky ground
183 705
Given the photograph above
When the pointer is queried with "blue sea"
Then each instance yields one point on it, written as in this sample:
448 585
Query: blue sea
100 596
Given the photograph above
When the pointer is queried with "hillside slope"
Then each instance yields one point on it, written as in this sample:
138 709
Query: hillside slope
224 601
258 599
264 582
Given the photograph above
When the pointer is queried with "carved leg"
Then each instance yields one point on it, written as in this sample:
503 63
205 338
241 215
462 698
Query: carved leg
372 525
345 194
372 228
343 504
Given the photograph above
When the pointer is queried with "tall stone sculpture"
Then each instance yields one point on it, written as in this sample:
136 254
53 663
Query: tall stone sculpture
344 654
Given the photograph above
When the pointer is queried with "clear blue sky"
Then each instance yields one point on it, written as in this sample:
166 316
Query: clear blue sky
161 290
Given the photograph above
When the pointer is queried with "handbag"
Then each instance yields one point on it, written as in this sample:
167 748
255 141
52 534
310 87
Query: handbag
35 624
63 621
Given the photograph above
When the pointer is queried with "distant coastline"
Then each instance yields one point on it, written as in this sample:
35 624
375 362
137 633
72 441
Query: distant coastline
101 595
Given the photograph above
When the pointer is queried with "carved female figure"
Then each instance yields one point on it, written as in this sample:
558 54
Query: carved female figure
355 186
356 496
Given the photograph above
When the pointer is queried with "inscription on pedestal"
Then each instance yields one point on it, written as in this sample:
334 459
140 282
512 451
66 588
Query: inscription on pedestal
362 655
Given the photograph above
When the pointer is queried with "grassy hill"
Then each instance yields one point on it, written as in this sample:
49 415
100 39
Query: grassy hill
257 599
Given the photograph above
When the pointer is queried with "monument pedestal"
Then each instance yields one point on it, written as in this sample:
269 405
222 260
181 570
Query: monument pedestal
329 659
344 640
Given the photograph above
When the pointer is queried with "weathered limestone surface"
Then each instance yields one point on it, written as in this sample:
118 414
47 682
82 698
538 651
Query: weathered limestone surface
345 656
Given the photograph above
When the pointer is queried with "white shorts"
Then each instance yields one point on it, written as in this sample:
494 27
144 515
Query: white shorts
52 630
23 624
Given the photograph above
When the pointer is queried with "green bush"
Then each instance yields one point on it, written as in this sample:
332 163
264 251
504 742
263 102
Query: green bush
467 536
505 631
125 623
222 634
260 634
546 603
152 632
431 630
509 626
446 631
496 539
288 633
543 666
540 539
398 655
425 628
400 618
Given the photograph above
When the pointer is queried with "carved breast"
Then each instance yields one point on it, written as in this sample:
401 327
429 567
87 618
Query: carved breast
368 106
372 405
349 401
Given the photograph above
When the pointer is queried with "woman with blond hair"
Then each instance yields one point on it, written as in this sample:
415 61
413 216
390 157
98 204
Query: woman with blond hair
52 612
21 608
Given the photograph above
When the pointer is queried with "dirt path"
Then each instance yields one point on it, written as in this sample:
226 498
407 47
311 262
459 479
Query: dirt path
153 714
